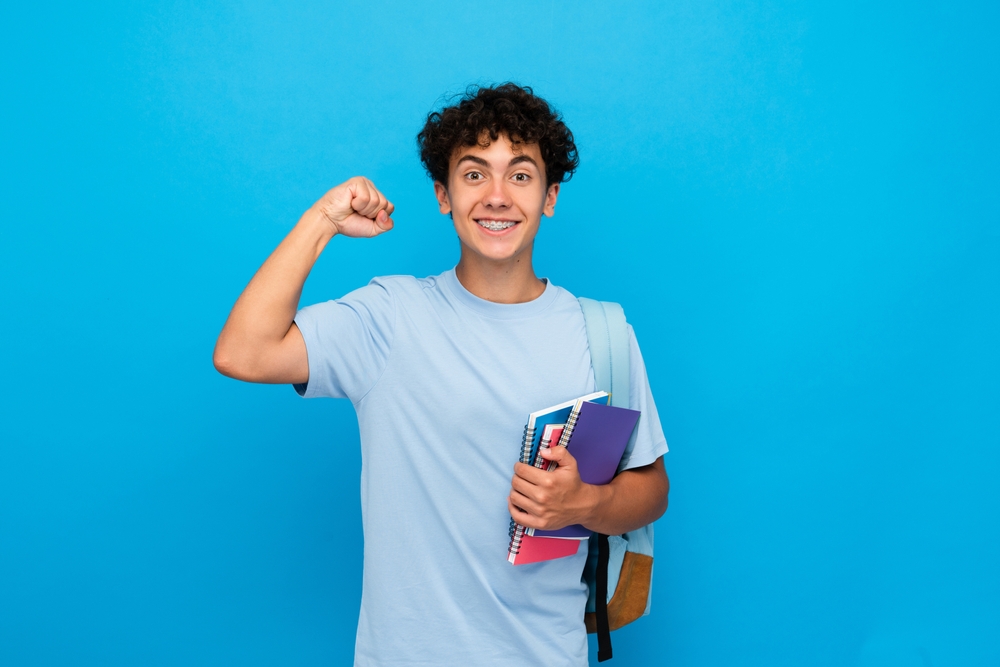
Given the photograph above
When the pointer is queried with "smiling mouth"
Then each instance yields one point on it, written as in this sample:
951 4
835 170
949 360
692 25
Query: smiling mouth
495 225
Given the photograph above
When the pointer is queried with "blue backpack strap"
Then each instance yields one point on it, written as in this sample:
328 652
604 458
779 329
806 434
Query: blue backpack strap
607 336
607 333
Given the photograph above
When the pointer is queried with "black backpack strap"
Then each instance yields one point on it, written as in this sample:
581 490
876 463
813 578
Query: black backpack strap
603 629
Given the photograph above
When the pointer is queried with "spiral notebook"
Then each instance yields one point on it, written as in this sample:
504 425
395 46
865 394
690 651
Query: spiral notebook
557 414
597 439
538 549
564 413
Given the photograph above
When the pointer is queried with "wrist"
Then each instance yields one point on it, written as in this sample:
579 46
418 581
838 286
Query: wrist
594 499
317 224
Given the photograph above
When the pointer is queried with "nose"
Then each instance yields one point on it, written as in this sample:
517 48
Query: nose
496 196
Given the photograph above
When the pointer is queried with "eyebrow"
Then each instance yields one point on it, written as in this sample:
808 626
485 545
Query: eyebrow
522 158
480 161
473 158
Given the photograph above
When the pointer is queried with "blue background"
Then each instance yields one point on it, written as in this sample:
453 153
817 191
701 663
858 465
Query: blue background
797 204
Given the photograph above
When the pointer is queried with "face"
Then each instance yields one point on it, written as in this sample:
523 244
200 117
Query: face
497 196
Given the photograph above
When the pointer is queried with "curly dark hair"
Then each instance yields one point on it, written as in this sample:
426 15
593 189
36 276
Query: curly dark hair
507 109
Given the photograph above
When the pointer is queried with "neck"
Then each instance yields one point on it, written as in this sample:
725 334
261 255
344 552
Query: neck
511 281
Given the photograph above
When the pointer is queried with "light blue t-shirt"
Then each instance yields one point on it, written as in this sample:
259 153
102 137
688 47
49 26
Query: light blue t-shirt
443 382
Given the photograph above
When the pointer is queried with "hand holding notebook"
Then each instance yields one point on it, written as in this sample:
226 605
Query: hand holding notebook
597 441
551 494
596 436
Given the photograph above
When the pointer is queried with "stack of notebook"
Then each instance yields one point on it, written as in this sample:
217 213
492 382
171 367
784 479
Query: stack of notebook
596 434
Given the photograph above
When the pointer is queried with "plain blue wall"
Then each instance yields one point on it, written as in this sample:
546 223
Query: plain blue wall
797 203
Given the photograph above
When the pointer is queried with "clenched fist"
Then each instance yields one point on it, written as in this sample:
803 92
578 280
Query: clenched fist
356 208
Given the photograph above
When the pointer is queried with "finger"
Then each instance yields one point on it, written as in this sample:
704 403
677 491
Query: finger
379 201
366 202
525 503
522 469
520 515
529 473
360 198
374 201
376 205
525 488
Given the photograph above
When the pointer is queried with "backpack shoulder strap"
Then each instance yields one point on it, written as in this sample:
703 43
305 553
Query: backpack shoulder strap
607 336
607 333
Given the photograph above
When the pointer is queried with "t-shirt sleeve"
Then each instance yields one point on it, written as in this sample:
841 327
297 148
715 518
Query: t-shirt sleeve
648 443
347 342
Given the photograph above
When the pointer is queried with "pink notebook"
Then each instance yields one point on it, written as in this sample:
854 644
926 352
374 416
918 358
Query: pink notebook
537 549
550 437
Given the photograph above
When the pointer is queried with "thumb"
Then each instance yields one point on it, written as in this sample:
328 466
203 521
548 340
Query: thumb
382 223
558 455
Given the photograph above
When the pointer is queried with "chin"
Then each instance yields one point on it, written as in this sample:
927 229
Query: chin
495 255
493 252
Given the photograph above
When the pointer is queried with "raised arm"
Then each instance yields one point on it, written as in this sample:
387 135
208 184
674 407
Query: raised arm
260 342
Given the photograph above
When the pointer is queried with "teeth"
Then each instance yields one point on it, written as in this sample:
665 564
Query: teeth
496 225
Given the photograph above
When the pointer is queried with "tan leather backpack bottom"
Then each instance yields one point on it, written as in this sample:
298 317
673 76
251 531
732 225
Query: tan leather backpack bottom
629 601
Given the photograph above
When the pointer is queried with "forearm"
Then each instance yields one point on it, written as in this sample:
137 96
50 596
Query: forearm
263 314
633 499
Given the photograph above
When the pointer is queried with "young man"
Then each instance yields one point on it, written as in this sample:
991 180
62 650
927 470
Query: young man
443 372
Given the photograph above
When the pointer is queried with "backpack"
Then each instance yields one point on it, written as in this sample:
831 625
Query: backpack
619 569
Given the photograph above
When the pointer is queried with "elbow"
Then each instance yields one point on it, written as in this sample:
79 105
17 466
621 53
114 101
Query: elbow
664 495
660 509
222 363
225 362
242 364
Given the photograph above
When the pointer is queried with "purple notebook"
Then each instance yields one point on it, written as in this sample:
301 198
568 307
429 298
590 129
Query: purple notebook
597 442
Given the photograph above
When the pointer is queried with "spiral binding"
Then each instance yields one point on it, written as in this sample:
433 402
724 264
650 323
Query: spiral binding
574 416
526 439
544 444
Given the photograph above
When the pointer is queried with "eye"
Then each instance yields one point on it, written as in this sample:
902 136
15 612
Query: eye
522 177
474 176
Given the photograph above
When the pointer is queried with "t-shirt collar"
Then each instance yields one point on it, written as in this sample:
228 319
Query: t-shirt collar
500 311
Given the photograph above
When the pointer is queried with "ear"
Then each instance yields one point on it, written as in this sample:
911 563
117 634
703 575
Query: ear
549 209
441 192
